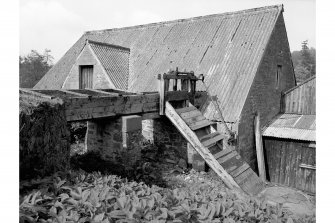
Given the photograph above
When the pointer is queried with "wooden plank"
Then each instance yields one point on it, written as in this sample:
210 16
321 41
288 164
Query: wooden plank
195 142
192 120
176 95
227 157
233 163
243 177
111 110
190 114
74 93
150 115
208 136
80 102
213 138
184 84
240 170
124 92
104 92
259 148
161 87
186 109
214 149
306 166
200 124
222 153
192 91
181 77
37 94
282 163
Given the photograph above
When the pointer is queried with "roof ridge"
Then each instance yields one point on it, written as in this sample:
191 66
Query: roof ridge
107 44
302 83
279 6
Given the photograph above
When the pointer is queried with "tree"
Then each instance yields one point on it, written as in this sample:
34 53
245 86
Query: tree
304 62
33 67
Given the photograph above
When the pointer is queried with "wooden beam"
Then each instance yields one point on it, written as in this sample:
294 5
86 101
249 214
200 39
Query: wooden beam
197 145
99 107
150 115
176 95
181 77
259 149
37 94
104 92
163 88
74 93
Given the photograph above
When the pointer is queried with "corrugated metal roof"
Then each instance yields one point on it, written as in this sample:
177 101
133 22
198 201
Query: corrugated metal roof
292 126
115 60
227 48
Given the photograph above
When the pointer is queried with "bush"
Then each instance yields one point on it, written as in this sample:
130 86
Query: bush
44 144
80 197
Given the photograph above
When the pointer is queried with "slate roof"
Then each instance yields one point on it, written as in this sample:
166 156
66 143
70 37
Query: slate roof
292 126
115 61
227 48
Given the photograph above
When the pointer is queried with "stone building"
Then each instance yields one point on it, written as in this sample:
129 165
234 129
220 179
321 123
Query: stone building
244 56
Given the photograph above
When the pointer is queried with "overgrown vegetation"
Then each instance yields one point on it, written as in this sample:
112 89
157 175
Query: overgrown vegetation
82 197
44 148
33 67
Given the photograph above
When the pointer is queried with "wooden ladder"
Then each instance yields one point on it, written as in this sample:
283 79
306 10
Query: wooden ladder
177 106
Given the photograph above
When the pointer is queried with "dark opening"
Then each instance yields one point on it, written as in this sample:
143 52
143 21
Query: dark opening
85 76
278 75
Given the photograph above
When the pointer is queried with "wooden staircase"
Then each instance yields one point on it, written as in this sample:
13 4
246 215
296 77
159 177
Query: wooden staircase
211 145
223 159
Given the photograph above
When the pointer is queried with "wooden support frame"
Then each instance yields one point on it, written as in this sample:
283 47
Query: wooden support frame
37 94
187 85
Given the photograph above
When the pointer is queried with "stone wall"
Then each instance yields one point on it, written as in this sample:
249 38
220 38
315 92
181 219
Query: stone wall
123 138
162 133
264 96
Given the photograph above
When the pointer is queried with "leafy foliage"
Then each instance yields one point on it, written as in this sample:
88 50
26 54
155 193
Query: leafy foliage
33 67
80 197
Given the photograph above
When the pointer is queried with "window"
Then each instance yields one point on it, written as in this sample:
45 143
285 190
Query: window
278 75
85 76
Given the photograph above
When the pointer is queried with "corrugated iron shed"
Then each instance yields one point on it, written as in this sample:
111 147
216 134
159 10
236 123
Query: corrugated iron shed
227 48
301 99
115 61
292 126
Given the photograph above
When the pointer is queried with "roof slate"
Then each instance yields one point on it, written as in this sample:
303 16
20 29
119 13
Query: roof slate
292 126
227 48
115 61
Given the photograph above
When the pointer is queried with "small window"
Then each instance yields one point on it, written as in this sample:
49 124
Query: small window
278 75
85 76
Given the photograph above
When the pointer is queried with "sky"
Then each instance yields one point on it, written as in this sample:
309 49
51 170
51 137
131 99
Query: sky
58 24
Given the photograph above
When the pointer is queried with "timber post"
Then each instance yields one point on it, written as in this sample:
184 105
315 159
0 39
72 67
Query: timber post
259 148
